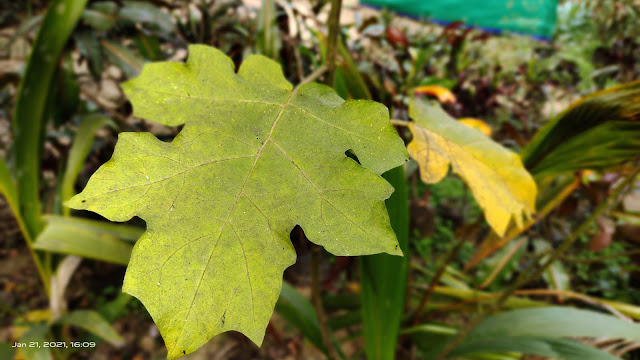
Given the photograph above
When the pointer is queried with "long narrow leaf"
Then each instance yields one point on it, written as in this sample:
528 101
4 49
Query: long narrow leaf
8 188
555 321
92 322
31 103
383 279
124 232
147 13
37 334
129 62
299 312
556 348
87 238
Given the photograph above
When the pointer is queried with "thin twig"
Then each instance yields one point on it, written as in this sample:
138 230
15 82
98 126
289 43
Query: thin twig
504 261
527 276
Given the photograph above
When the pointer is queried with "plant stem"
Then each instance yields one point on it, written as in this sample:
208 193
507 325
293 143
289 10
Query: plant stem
332 41
312 77
316 299
527 276
400 122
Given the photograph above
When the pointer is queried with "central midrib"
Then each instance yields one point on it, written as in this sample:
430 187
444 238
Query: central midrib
235 204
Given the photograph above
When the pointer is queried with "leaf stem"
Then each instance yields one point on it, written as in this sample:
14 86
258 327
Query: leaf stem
312 77
400 122
332 41
534 273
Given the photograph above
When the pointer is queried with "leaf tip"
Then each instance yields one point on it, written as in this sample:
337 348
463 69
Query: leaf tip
76 202
397 251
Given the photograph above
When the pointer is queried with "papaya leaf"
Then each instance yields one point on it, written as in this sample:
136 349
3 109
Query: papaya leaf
255 158
499 182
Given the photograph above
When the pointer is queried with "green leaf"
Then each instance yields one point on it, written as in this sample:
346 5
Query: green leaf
89 47
8 188
499 182
124 232
384 279
92 322
148 46
37 333
147 13
101 15
300 313
7 351
555 321
65 92
129 62
597 132
556 348
541 331
31 104
254 159
82 142
86 238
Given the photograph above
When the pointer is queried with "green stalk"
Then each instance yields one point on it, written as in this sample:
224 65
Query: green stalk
332 41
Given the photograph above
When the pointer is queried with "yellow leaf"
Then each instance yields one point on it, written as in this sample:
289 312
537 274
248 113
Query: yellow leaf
476 124
501 185
441 93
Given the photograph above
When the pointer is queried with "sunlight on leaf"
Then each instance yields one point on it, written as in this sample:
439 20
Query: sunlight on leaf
499 182
255 158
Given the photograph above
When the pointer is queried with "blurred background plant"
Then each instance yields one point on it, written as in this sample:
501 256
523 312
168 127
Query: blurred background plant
61 109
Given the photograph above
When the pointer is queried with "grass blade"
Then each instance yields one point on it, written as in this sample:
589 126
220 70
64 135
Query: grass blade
87 238
92 322
299 312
